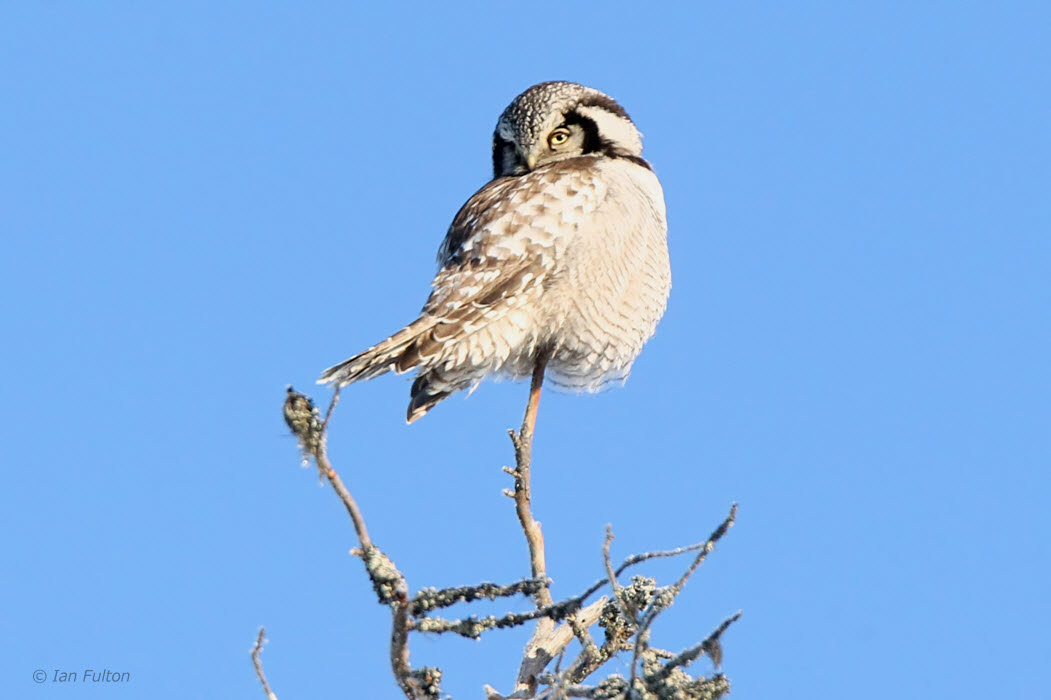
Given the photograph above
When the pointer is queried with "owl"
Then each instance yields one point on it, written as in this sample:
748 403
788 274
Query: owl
560 261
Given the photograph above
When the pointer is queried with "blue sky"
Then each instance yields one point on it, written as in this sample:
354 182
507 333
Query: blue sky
204 202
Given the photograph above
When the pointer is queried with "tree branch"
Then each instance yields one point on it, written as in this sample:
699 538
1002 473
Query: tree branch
710 646
636 559
432 598
257 661
389 583
302 418
709 545
523 444
627 616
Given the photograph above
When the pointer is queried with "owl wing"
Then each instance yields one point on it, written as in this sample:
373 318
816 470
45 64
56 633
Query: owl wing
501 250
474 223
493 260
507 239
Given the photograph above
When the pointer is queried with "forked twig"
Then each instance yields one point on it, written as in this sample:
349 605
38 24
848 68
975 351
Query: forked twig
302 417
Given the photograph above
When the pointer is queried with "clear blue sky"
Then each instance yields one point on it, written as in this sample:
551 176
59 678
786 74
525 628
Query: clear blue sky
203 202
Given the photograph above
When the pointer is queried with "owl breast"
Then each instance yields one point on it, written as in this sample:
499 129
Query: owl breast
611 277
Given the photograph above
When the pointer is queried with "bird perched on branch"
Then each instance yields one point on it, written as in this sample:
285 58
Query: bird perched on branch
560 263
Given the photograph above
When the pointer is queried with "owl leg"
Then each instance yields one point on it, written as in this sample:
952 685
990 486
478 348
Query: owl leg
529 420
523 442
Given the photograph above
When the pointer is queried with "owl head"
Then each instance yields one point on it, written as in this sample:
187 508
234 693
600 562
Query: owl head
558 120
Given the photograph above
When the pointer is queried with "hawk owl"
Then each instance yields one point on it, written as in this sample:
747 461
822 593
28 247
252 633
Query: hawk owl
562 256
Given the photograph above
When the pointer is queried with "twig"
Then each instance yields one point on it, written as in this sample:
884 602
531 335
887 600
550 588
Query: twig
321 458
710 646
666 596
611 575
631 612
301 417
636 559
646 556
523 444
535 660
559 611
473 626
257 661
709 545
617 632
387 580
331 407
432 598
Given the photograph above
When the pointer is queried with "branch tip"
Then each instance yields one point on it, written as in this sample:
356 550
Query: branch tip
257 661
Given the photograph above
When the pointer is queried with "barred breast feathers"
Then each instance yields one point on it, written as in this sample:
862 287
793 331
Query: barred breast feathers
613 286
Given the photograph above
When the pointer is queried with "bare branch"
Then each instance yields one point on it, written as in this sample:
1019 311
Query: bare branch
611 576
709 545
432 598
541 649
399 646
389 583
589 653
646 556
418 684
710 646
471 627
321 457
617 630
626 617
301 417
523 444
331 407
666 596
257 661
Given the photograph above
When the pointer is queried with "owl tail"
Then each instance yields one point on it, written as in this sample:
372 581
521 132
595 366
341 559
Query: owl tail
426 392
398 353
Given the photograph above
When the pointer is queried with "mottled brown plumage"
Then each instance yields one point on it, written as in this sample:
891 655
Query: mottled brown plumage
564 252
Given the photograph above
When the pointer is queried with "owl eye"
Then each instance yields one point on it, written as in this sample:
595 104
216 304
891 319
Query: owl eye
558 137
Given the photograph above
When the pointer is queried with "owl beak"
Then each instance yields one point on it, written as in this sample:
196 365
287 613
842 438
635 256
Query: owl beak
527 156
